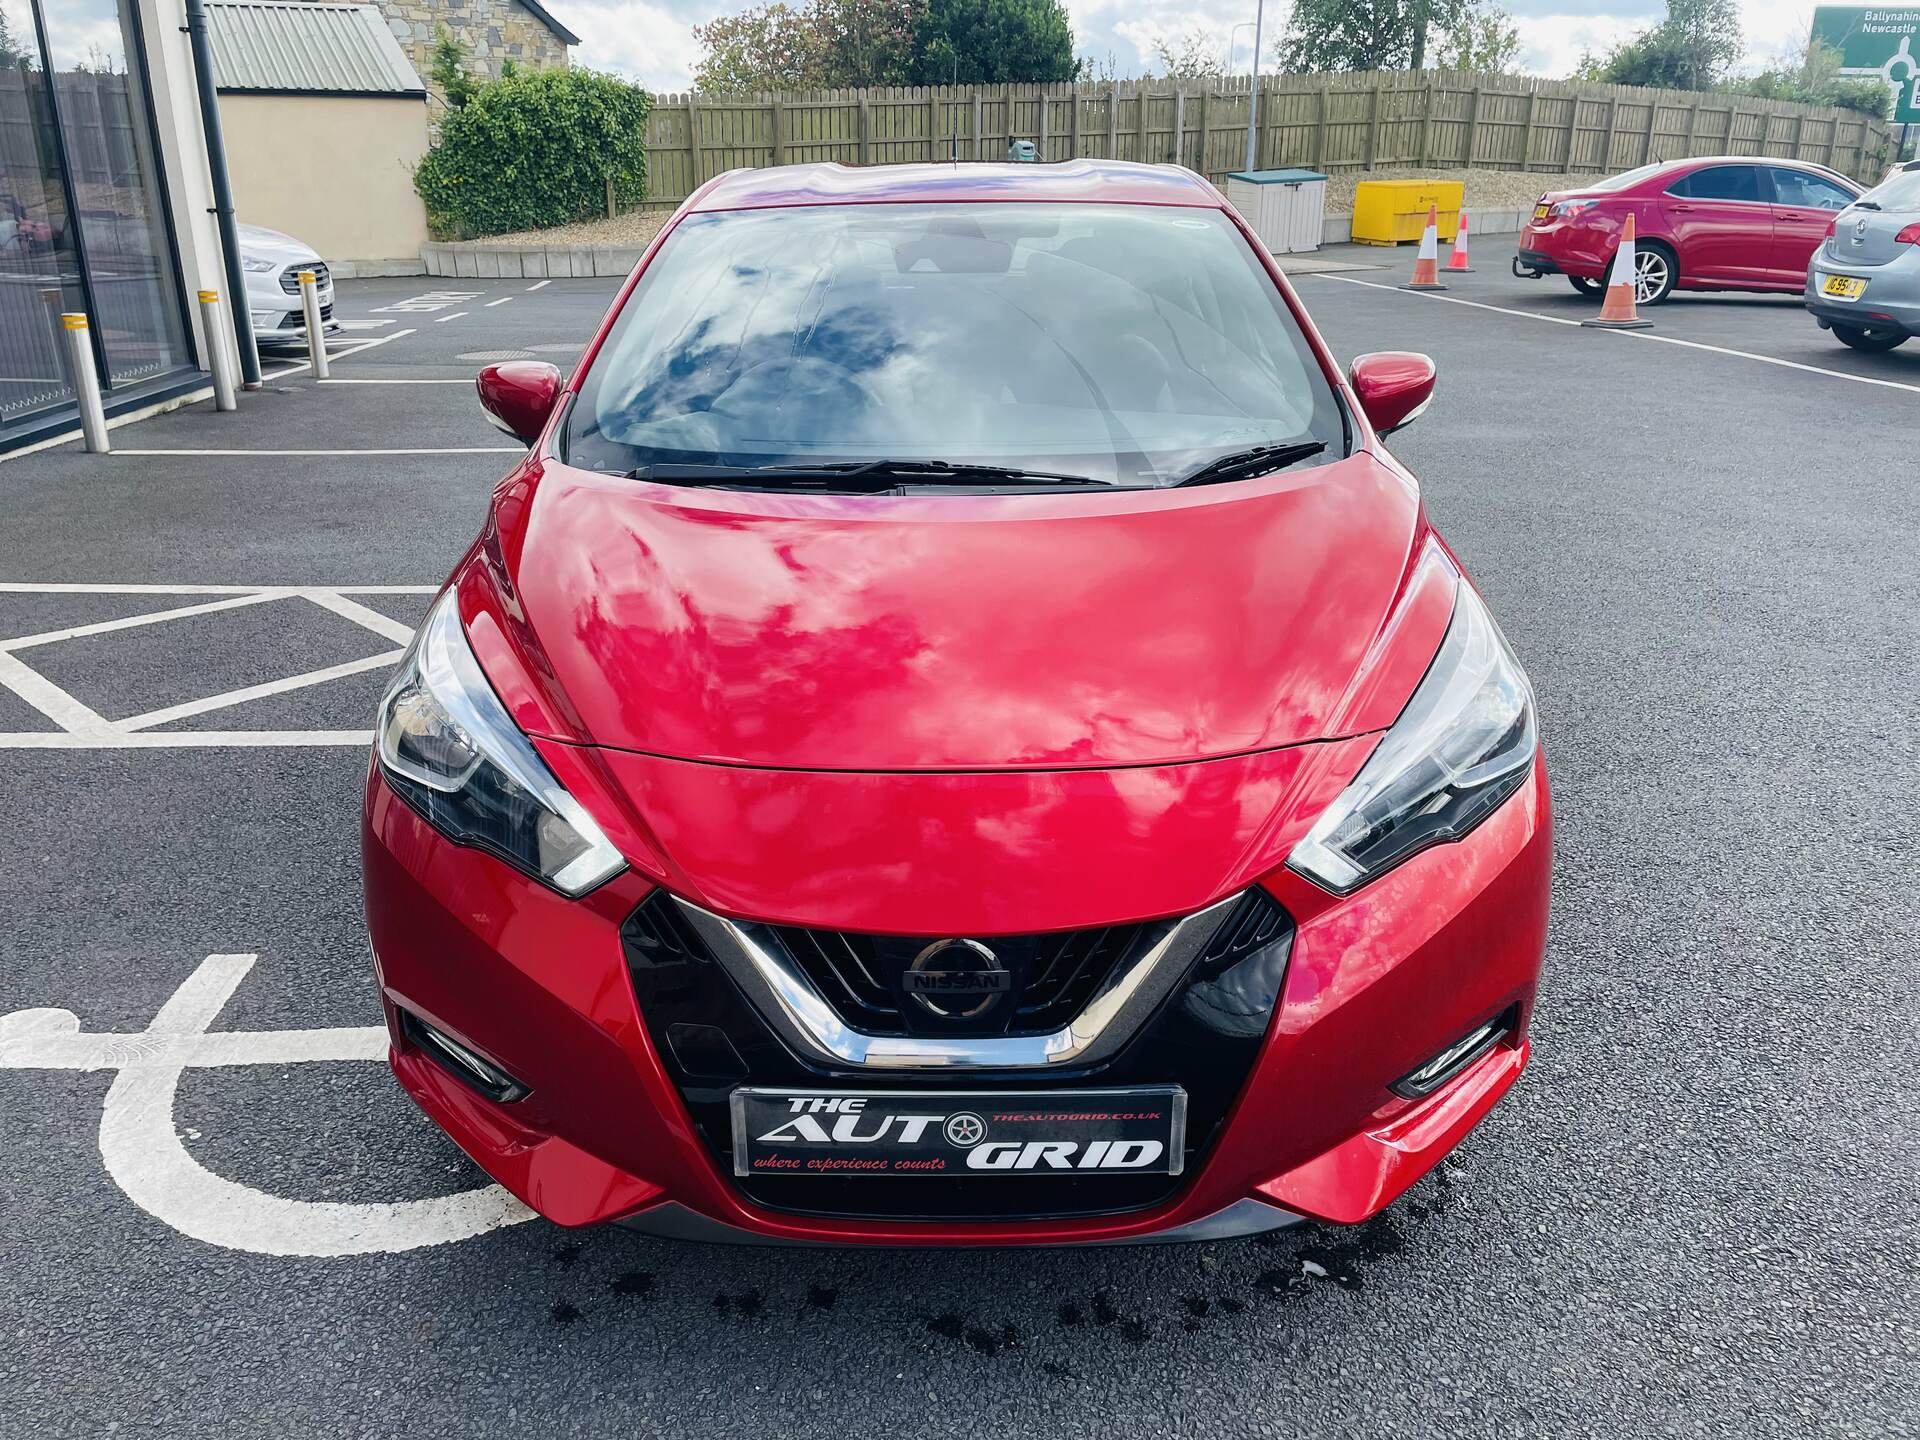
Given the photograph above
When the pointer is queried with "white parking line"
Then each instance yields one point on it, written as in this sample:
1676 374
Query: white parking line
187 709
102 627
82 728
78 723
418 450
186 740
141 1147
1630 334
64 587
503 300
457 315
360 347
361 615
540 285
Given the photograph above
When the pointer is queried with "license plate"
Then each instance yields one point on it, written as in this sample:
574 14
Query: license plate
1139 1131
1539 213
1843 287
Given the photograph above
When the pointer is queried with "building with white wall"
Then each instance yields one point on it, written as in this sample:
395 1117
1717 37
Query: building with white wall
325 120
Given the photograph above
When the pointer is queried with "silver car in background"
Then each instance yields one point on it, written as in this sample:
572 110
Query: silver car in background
1864 281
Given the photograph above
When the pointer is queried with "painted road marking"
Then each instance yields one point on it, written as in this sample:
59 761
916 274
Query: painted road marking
141 1148
503 300
1631 334
360 347
457 315
425 304
83 728
64 587
189 708
539 285
417 450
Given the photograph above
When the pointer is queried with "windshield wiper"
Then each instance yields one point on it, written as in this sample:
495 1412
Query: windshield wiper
860 474
1260 460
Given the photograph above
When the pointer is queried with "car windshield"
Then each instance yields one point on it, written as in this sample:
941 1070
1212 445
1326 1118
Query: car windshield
1126 344
1898 192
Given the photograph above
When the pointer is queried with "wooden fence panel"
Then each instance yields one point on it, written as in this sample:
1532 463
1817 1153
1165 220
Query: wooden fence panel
1438 119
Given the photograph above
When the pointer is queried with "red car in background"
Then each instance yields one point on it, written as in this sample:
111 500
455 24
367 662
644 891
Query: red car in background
1719 223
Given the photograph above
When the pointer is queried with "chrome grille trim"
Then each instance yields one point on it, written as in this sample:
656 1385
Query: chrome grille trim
787 1001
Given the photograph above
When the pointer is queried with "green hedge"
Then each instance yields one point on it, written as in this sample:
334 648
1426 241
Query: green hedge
536 149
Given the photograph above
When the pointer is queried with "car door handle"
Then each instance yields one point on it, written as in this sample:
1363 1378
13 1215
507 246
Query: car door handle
1795 219
1684 209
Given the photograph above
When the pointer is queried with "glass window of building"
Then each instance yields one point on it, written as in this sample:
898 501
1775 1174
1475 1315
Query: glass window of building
83 220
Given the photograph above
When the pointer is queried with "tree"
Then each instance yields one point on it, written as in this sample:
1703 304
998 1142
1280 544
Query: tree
447 68
830 44
1814 78
770 48
994 42
13 53
1693 48
1347 35
1397 35
1195 56
1484 40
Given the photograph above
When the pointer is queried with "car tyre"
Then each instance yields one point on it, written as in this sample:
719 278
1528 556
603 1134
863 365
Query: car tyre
1655 271
1589 288
1872 341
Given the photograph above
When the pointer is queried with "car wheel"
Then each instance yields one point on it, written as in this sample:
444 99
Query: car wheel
1584 286
1869 340
1654 271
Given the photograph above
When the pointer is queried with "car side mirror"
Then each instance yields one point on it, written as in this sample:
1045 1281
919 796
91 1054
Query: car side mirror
1394 386
519 396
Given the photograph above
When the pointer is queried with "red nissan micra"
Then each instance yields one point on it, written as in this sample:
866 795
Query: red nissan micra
1723 223
958 732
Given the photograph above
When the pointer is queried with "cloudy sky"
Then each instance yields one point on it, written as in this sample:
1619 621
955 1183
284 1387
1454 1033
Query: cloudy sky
652 40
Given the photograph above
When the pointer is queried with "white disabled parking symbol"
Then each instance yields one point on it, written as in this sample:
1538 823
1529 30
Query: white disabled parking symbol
143 1152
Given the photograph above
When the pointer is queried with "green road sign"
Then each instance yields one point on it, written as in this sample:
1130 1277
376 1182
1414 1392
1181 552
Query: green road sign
1873 40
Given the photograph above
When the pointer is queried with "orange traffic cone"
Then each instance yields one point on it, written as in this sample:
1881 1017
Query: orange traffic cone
1457 259
1618 312
1426 266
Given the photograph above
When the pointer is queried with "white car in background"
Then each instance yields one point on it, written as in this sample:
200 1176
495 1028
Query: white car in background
272 263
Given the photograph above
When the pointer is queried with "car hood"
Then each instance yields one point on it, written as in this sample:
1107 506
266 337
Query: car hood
258 241
954 632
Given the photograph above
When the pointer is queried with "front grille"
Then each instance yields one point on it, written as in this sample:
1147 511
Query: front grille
1204 1038
864 978
290 277
297 320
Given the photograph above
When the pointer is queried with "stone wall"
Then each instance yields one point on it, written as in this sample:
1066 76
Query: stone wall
495 31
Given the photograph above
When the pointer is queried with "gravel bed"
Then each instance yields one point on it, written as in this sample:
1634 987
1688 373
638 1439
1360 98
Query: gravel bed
624 232
1486 189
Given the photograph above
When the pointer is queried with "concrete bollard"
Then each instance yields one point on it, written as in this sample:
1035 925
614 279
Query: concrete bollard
316 335
86 388
219 358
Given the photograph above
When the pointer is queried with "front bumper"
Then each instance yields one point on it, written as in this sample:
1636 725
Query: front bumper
1377 983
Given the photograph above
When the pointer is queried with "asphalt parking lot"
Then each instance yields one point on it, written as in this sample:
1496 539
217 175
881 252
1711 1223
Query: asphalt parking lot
1696 1216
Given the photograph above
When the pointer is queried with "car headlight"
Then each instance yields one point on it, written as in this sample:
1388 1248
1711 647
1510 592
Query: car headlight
258 266
1463 745
448 747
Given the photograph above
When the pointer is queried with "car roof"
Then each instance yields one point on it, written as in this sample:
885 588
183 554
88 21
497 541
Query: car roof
1782 160
1113 182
